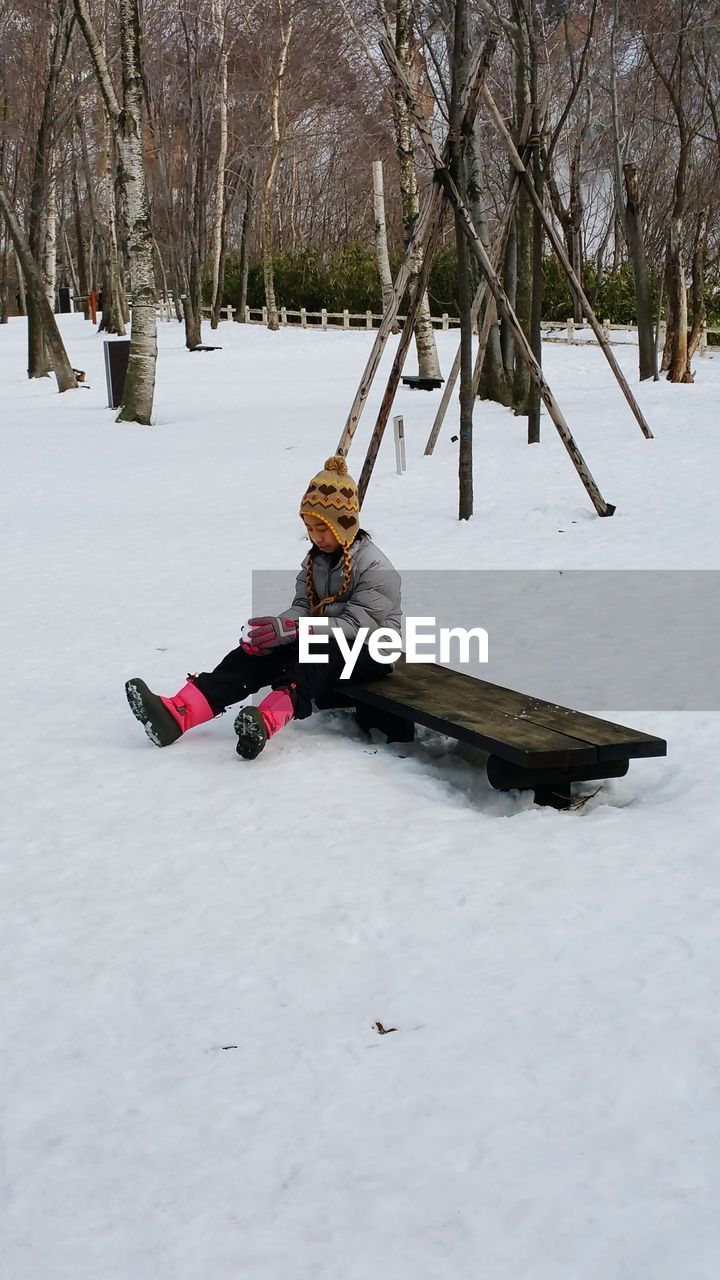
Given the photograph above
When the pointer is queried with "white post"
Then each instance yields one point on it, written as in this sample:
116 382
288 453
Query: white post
264 315
445 321
229 311
247 315
323 318
303 318
399 431
606 329
283 316
570 328
703 339
346 319
368 319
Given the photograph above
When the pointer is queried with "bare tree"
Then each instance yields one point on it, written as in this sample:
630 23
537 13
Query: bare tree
220 210
629 217
411 62
41 204
286 17
669 54
460 69
35 284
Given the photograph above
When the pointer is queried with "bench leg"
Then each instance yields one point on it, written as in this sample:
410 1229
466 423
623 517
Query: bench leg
557 797
394 727
552 786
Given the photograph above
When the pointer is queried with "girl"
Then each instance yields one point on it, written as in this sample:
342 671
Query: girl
344 577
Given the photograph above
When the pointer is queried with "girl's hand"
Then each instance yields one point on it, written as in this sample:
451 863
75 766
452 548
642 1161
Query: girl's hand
266 633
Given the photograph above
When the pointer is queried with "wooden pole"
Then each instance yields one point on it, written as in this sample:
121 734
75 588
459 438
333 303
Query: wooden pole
426 225
602 507
559 249
397 365
482 295
429 219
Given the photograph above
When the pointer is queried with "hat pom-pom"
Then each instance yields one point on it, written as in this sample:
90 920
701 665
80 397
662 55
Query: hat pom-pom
338 464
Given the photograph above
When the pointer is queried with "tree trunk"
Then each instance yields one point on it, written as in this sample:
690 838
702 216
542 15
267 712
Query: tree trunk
523 222
244 262
163 273
381 244
218 222
698 283
534 35
537 284
39 361
271 175
460 71
5 258
4 263
494 384
21 295
267 259
638 262
97 261
523 267
677 330
83 277
113 319
575 211
49 255
192 306
507 342
428 363
70 271
35 285
140 381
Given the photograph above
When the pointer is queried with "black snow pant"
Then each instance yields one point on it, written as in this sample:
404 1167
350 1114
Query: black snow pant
241 674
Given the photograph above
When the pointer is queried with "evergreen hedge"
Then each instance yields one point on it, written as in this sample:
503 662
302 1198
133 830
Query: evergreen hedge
349 279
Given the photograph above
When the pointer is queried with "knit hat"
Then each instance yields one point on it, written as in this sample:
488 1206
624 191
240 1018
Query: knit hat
332 496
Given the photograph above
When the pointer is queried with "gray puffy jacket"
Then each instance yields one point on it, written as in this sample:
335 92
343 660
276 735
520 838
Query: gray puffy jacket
372 599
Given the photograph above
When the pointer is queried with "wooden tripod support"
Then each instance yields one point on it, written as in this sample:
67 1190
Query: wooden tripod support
426 231
602 507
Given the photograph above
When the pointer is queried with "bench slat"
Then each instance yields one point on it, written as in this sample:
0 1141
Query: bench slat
521 728
521 741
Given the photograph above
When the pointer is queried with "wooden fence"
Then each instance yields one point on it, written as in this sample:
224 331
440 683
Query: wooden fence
305 319
552 330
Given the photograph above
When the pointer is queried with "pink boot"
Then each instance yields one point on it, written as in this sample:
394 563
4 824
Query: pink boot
167 719
254 725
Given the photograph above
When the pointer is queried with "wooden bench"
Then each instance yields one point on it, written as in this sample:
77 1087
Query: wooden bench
533 745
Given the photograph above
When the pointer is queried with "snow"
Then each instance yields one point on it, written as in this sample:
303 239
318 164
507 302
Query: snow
195 950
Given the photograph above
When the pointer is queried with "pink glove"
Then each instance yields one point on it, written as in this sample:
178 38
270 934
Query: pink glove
266 633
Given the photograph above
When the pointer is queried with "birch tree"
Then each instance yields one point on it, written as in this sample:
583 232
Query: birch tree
36 289
286 17
218 18
380 235
126 118
41 205
407 53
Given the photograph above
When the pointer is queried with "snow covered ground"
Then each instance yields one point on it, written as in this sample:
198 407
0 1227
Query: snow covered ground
194 951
